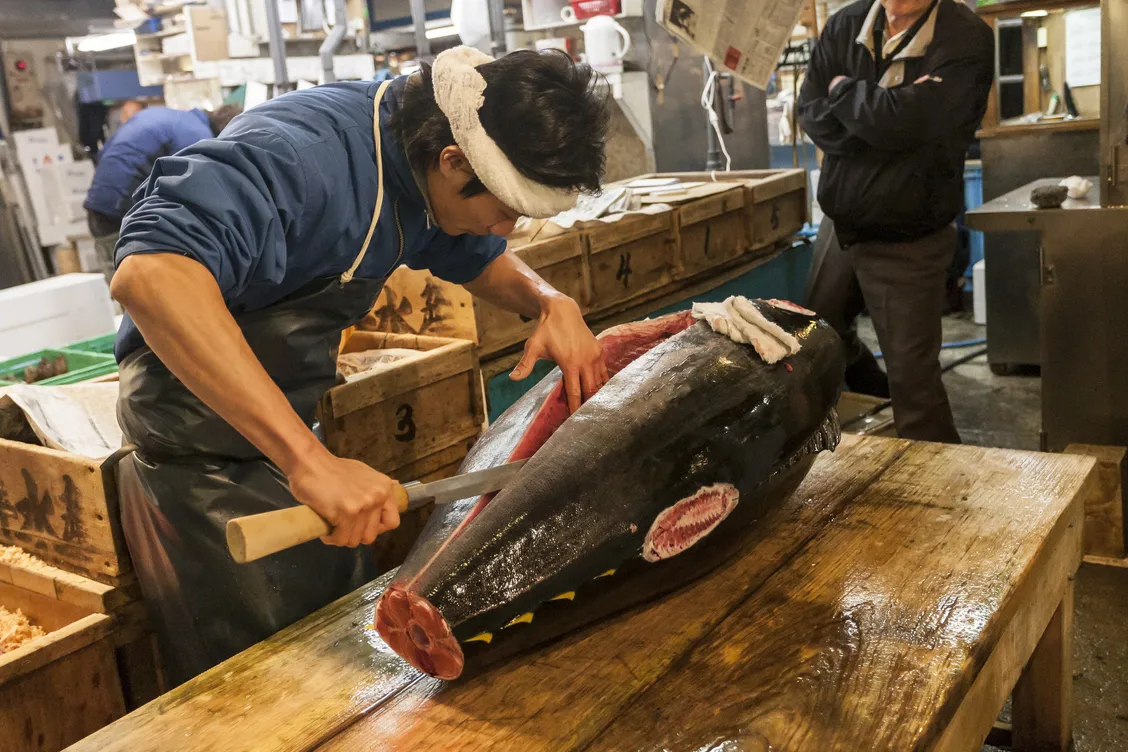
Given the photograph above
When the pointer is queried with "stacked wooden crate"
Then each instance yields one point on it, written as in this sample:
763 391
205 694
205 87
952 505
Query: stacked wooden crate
413 419
616 269
63 509
81 675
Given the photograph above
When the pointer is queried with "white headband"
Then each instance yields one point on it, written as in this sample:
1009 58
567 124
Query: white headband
459 91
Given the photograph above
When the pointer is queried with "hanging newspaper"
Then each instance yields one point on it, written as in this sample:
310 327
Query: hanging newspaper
746 37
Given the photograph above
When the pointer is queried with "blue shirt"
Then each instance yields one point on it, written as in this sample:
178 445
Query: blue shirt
285 196
127 158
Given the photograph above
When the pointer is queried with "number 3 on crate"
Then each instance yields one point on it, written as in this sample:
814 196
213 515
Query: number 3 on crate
405 428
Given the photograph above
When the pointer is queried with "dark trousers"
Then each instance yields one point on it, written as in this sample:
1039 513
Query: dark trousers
102 224
105 231
903 286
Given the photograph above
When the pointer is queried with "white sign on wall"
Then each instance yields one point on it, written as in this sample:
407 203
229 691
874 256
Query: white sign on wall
1083 47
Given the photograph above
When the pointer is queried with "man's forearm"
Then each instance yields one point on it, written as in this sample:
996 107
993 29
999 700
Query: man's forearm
509 283
179 310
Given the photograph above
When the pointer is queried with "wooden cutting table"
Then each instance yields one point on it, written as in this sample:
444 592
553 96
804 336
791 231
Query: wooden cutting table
893 603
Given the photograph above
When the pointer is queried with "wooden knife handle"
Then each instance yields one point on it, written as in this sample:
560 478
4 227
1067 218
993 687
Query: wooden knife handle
258 535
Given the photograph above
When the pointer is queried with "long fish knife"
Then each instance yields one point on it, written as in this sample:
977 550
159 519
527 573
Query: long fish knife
258 535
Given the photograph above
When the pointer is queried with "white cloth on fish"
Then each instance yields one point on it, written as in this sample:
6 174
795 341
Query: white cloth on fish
739 319
460 92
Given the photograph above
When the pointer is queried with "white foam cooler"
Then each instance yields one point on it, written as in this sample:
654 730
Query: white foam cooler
54 312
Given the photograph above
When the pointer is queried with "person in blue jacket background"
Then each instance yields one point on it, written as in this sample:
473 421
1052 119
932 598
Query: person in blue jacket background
145 134
247 255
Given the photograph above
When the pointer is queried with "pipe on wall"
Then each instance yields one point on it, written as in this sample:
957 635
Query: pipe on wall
277 47
329 46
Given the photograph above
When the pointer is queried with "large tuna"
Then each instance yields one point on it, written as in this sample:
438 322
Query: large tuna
655 480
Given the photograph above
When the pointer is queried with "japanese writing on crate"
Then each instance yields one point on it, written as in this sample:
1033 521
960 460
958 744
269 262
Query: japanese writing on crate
39 511
393 315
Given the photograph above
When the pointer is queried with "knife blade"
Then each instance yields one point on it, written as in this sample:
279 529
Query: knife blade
258 535
464 486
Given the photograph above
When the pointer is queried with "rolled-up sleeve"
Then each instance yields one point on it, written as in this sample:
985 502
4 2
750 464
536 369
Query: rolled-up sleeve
226 204
459 259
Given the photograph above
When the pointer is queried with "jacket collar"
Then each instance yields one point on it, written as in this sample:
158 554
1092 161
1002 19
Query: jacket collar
916 47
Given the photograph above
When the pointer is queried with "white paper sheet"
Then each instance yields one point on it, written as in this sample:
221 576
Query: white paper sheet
744 37
78 418
1083 47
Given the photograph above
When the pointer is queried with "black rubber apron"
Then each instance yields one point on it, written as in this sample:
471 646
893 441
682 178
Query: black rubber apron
192 472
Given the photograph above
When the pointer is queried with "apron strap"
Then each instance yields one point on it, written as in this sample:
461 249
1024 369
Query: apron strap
348 275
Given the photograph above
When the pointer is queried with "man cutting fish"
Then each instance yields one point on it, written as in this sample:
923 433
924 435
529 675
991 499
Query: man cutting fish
246 256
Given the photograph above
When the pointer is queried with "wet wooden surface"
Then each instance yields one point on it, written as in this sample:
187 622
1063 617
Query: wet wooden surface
892 603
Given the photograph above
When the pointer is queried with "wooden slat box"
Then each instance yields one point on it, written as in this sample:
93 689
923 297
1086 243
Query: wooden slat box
62 508
414 420
631 257
851 406
417 302
711 231
775 202
407 412
59 688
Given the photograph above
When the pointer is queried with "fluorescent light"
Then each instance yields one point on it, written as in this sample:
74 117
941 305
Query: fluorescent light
442 31
103 42
1035 14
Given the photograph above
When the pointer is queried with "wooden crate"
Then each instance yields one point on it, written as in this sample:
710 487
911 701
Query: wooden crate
413 421
63 687
631 257
417 302
1104 511
851 406
560 261
711 231
775 202
410 411
64 509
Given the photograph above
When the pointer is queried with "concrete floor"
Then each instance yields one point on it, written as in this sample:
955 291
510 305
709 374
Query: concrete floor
1004 411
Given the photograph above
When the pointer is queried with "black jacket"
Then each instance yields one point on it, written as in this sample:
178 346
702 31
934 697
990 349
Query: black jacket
893 165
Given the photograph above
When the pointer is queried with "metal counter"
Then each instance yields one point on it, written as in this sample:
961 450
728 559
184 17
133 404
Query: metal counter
1012 157
1083 278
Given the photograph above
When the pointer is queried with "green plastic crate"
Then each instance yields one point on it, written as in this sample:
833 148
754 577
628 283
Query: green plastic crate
81 366
103 345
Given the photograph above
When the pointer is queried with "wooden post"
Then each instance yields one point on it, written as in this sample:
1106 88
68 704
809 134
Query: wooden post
1104 512
1042 715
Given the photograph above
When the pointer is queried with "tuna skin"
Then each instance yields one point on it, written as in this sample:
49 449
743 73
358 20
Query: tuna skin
695 410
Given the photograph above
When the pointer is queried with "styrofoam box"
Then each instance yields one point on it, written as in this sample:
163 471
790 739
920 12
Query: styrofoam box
979 291
54 312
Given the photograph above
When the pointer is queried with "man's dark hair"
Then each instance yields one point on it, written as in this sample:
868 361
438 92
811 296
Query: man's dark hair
545 112
219 119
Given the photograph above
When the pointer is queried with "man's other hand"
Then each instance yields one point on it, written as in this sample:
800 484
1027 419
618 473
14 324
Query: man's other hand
562 336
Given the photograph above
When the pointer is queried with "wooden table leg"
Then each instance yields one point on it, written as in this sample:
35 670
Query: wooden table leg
1043 698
